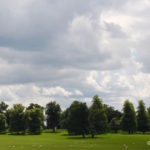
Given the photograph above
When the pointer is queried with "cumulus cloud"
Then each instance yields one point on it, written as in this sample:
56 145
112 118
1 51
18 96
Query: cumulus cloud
55 91
67 50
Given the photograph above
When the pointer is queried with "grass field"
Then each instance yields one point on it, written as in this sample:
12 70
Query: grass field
60 141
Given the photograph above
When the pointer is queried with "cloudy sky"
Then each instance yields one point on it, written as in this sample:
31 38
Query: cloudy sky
73 49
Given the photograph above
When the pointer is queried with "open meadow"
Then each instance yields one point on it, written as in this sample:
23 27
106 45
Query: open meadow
61 141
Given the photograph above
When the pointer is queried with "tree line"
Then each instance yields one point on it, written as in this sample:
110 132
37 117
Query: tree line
78 119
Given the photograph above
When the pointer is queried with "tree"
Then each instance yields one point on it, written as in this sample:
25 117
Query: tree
17 124
3 107
78 119
97 117
112 113
64 119
52 112
142 117
115 125
148 110
34 117
32 106
3 110
129 122
36 114
3 124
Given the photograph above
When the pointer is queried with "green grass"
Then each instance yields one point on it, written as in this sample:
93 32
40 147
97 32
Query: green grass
60 141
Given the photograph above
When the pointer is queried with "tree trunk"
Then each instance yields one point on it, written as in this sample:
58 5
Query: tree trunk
129 131
53 129
143 132
93 135
83 135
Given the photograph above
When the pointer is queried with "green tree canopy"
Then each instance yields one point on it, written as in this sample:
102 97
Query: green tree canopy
129 122
52 112
148 110
112 113
142 117
115 124
97 117
17 124
3 107
64 119
78 118
32 106
35 120
3 124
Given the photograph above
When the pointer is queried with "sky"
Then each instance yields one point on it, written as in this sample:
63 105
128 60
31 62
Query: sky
66 50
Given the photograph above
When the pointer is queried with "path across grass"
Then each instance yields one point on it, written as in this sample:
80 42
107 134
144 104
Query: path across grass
60 141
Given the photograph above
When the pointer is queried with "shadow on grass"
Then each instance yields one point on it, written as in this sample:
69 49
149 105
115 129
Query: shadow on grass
136 133
81 138
77 137
50 131
24 134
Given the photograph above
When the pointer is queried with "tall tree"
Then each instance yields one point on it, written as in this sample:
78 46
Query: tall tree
36 113
129 122
17 124
78 119
142 117
34 117
3 124
97 117
52 112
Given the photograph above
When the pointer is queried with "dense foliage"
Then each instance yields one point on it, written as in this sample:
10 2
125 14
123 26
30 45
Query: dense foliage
34 120
78 119
53 111
3 124
142 117
97 117
17 123
129 122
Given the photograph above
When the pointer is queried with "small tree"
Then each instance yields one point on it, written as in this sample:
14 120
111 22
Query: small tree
53 111
78 119
112 113
17 124
97 117
3 124
64 119
34 117
115 125
129 122
142 117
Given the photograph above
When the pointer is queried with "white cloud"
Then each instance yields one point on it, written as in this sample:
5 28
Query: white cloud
55 91
27 93
78 93
74 49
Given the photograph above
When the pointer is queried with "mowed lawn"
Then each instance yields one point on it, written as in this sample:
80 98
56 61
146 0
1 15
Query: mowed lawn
60 141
